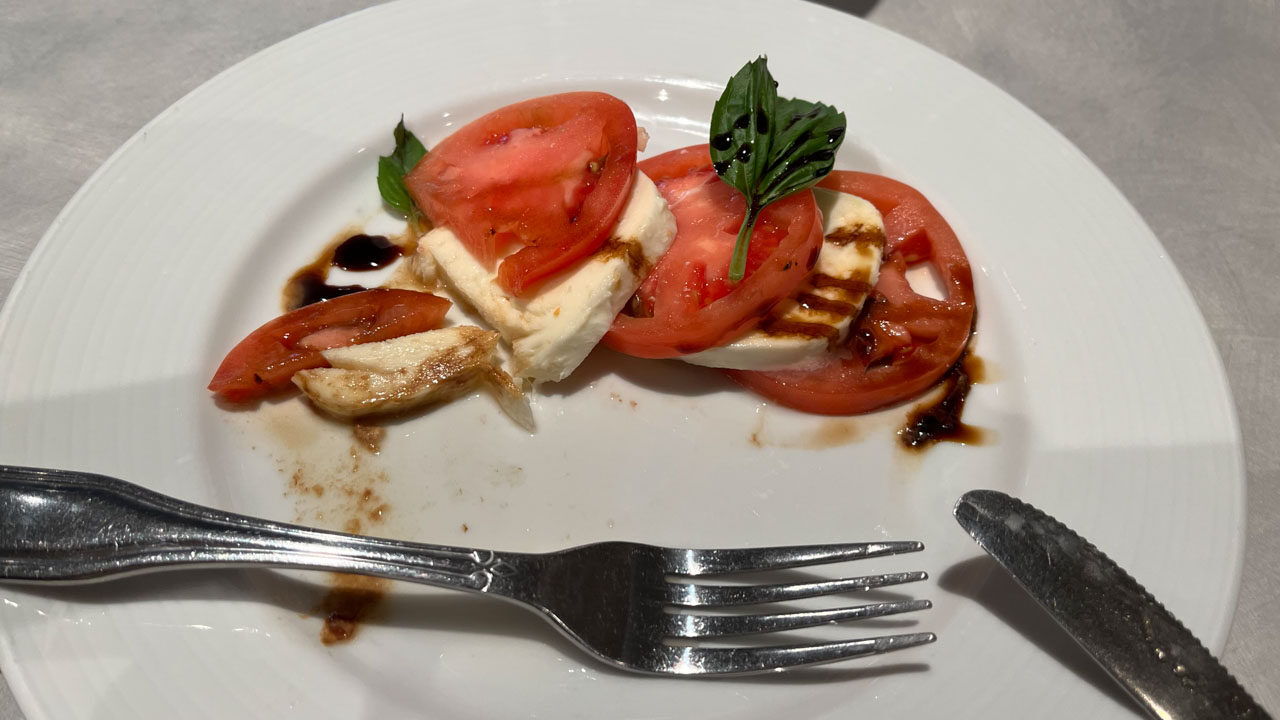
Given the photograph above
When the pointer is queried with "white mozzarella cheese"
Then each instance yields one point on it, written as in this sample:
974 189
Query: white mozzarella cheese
819 314
411 371
552 331
400 373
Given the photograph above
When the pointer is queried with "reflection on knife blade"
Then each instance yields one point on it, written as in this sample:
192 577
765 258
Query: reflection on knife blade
1126 630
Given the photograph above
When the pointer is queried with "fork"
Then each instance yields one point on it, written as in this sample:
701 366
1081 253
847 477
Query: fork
627 604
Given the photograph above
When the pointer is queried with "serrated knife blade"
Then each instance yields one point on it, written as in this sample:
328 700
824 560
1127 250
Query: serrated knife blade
1127 631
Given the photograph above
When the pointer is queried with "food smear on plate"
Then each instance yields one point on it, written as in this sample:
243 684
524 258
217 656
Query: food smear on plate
351 600
352 251
344 489
369 437
939 420
750 254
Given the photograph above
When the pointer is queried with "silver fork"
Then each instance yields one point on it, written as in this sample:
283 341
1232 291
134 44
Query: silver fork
627 604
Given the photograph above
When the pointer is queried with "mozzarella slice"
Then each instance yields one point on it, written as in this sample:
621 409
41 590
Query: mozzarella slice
411 371
819 314
552 331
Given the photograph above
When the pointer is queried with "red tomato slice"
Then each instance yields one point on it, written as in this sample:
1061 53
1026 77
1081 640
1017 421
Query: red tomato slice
686 303
263 362
551 174
903 342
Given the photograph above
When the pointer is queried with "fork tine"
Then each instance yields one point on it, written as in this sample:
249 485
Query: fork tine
694 595
711 562
704 626
737 661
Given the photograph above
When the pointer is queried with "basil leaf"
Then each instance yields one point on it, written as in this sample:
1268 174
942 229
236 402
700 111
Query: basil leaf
409 150
391 185
804 148
392 169
768 147
740 127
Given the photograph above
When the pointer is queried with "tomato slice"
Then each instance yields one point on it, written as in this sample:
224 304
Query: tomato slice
903 341
686 303
551 174
264 362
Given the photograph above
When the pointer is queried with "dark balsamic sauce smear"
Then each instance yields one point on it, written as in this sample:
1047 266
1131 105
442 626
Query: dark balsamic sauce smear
357 253
722 141
308 287
762 122
821 156
351 602
366 252
930 424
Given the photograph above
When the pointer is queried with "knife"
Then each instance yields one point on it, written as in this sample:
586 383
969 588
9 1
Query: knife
1162 666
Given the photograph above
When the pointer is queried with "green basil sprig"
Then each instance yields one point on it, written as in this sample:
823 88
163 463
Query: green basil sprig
392 169
768 147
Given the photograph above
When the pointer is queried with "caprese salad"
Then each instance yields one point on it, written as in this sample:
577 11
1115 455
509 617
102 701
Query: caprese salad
749 253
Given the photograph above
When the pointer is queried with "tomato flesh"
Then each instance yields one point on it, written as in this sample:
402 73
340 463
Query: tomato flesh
687 304
709 214
267 358
547 176
903 341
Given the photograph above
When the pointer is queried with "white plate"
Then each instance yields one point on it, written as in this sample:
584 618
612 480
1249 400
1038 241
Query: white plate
1108 399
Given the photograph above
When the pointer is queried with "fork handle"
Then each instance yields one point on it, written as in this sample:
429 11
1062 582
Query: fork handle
58 525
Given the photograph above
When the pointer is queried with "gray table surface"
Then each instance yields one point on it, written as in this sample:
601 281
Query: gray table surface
1177 102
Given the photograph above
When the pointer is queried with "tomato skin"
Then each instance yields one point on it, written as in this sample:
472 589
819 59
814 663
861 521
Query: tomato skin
267 358
551 173
903 342
689 303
